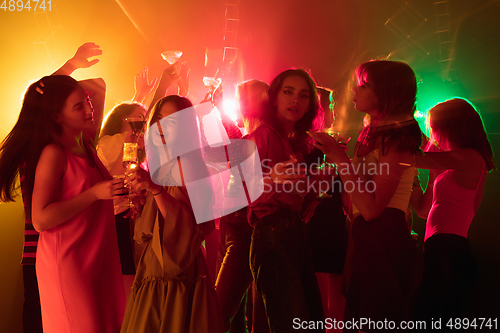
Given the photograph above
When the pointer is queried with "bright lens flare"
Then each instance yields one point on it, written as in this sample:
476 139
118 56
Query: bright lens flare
230 109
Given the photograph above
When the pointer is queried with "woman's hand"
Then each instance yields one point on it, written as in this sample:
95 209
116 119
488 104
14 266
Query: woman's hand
290 173
287 172
142 85
80 59
329 146
138 200
82 55
141 180
108 189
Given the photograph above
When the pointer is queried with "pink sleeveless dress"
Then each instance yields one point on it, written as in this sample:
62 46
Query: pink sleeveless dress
78 266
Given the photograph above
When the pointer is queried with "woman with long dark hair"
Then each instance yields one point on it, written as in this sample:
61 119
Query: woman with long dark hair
280 259
67 193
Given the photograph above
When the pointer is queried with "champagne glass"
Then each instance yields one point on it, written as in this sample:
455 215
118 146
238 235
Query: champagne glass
130 162
171 56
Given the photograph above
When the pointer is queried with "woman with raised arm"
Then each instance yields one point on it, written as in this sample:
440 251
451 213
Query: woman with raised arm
459 156
383 265
68 195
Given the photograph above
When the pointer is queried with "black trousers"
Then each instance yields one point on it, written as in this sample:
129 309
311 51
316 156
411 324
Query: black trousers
450 273
32 315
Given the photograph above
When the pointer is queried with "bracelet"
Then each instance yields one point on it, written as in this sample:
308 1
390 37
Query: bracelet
155 194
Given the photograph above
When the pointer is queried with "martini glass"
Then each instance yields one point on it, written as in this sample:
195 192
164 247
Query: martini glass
171 56
327 165
137 124
334 134
211 82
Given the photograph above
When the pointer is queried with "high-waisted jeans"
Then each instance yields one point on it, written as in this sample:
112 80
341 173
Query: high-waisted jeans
281 265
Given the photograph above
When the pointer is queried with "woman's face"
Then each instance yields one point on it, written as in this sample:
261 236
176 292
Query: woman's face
293 100
77 113
169 127
364 98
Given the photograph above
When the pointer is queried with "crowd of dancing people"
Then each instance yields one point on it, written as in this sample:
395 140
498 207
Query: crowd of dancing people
179 242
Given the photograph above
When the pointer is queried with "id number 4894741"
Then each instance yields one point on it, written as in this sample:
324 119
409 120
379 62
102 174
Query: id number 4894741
26 5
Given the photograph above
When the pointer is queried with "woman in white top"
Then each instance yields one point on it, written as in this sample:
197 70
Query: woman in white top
383 265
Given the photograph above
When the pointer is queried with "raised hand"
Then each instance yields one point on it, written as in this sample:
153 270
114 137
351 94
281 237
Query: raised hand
142 85
184 80
82 55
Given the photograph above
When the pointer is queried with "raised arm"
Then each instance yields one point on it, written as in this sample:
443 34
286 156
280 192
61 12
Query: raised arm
183 83
459 159
96 88
48 210
142 86
80 59
168 77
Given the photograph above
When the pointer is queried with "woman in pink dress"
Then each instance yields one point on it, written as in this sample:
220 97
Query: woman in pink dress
68 194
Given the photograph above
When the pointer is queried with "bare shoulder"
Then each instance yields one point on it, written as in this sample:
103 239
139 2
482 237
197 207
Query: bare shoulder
53 151
53 156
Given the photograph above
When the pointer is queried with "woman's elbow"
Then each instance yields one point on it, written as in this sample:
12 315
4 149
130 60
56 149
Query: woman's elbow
39 223
38 226
422 213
